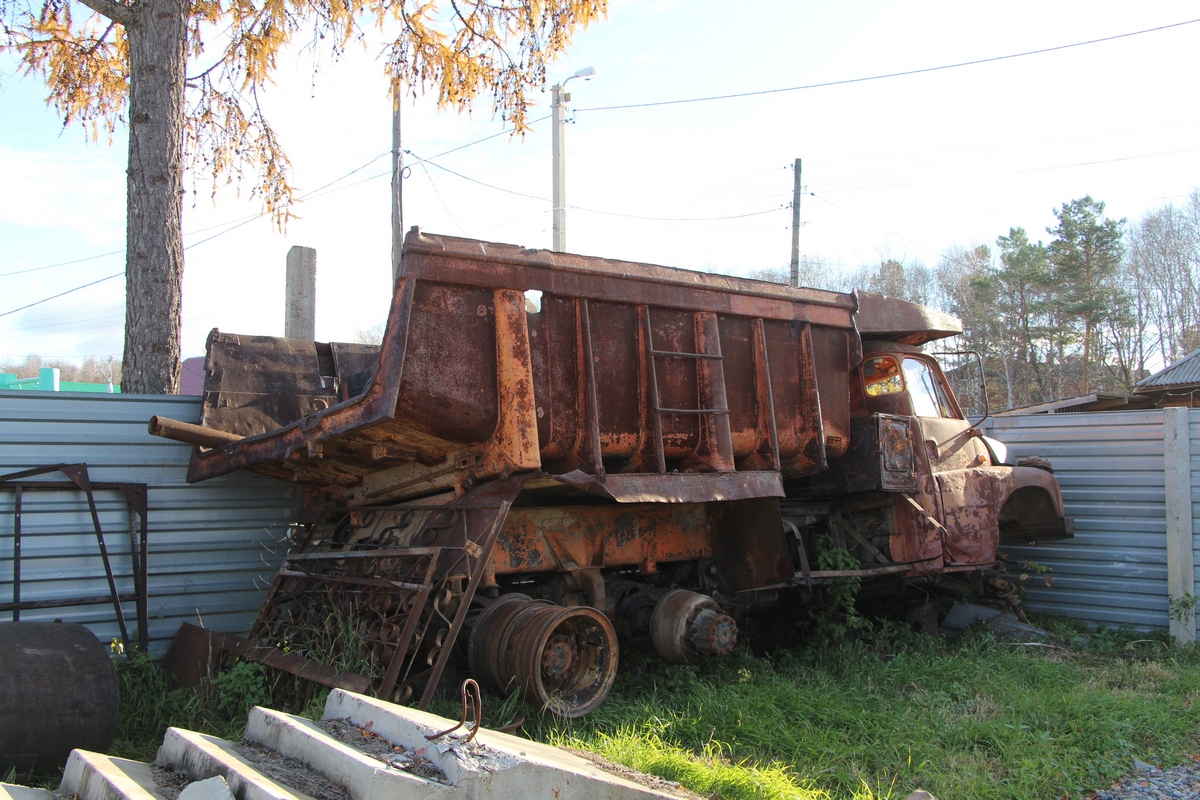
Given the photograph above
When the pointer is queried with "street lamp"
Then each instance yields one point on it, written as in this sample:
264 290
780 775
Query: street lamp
558 156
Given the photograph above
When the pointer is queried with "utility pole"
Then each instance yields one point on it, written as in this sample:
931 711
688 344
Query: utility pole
558 156
397 184
795 281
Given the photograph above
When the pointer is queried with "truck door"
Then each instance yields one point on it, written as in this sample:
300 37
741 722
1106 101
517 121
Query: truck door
968 497
947 454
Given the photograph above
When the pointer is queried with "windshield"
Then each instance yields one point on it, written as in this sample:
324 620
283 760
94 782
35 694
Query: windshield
928 397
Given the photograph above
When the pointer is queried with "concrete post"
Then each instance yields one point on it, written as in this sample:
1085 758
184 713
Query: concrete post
1177 471
558 156
795 276
300 303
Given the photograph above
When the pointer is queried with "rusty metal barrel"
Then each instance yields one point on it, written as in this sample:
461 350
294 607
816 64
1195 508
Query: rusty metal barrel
58 692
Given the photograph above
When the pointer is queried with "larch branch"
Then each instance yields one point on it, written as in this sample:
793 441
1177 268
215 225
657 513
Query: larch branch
96 44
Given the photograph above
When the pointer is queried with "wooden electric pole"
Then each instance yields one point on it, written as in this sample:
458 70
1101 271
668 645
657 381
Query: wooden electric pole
795 279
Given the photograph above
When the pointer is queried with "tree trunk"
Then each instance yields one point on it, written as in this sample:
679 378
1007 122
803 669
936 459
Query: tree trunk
154 218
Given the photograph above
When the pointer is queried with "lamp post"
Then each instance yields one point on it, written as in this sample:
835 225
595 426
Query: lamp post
558 98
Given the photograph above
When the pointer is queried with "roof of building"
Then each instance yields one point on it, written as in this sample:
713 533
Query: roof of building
1183 372
1094 401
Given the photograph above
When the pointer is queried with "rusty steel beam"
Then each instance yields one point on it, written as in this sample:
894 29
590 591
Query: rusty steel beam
188 433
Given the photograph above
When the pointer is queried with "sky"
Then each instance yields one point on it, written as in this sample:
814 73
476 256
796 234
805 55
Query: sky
903 167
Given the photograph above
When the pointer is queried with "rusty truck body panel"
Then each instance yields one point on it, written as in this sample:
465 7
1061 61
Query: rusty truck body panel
549 449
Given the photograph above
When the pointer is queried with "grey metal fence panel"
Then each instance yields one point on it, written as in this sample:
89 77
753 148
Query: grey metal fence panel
1110 468
213 546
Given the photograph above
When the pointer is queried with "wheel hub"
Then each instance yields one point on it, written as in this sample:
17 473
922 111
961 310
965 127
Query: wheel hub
559 657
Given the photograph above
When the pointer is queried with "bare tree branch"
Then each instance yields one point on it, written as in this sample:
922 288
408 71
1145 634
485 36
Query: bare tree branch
117 12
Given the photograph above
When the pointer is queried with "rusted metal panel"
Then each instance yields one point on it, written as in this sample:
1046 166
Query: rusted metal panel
880 458
681 488
882 317
971 502
834 358
918 537
569 538
267 382
617 281
745 537
195 654
748 544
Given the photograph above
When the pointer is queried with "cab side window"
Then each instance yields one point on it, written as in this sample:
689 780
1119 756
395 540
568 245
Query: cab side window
925 390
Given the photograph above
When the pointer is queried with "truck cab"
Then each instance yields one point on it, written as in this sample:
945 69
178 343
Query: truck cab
953 497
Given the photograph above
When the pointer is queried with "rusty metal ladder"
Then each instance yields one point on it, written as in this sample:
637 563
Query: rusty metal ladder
710 378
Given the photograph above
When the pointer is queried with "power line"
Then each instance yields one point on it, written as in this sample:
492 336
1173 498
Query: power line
1111 160
683 219
901 74
61 294
63 264
438 195
238 223
598 211
486 185
890 232
310 195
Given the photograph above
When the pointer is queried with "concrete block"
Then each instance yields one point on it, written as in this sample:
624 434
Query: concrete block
95 776
1002 623
365 778
494 766
201 757
214 788
11 791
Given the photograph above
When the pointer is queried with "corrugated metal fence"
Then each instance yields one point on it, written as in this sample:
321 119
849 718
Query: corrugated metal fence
1113 473
212 546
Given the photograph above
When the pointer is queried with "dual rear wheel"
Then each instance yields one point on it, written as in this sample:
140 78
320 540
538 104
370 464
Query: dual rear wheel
565 658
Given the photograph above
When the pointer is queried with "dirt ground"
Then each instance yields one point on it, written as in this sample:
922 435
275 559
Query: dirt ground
630 774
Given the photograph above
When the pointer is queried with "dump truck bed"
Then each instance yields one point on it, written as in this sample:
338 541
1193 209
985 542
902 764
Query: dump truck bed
616 378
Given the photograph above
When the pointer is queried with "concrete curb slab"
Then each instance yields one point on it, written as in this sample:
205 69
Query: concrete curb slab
365 778
201 757
96 776
11 791
495 766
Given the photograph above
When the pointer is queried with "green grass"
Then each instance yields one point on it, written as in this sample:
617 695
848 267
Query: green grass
975 718
876 718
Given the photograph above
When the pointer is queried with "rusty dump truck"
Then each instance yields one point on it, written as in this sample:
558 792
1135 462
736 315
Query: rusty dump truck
551 453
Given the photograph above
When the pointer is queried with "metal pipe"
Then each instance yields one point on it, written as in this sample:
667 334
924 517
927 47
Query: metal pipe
188 433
